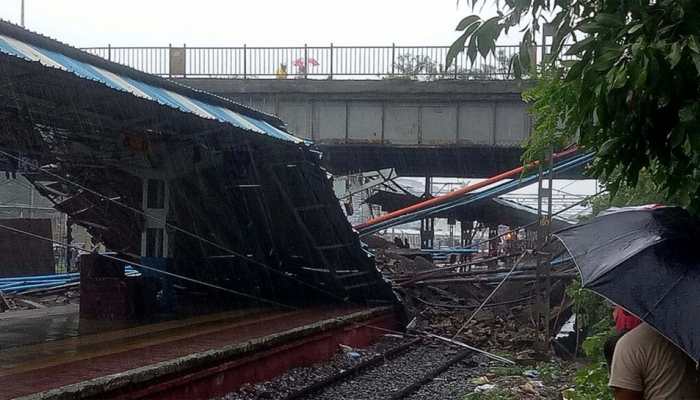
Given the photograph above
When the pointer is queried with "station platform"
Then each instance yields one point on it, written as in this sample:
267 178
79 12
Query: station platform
193 358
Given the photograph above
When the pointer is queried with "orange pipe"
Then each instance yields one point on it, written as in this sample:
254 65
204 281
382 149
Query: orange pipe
459 192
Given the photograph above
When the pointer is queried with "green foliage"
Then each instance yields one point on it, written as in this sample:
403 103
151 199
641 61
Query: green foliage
419 67
591 310
508 370
595 315
592 383
592 380
548 100
550 372
630 87
412 66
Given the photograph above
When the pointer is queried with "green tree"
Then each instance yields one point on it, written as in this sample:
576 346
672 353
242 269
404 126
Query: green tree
624 81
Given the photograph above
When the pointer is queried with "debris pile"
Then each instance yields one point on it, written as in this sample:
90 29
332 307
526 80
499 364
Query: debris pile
30 292
40 298
489 303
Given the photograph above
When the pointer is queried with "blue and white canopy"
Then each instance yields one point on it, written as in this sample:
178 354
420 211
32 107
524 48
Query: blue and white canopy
48 58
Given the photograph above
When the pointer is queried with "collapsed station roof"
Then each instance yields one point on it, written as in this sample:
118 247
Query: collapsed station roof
250 205
20 43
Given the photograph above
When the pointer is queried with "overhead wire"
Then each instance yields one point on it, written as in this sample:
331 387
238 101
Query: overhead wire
146 267
196 281
177 228
420 210
493 292
561 211
188 279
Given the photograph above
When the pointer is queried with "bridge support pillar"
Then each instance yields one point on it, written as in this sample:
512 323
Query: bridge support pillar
427 225
493 246
427 233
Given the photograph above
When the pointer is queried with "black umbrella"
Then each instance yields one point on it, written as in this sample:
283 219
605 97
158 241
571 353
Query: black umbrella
645 260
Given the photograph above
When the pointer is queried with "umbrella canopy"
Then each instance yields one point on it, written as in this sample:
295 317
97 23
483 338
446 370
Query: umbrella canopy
645 260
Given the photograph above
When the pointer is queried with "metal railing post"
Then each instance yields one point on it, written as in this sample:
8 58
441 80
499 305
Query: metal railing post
306 61
331 76
184 60
354 60
456 61
245 62
170 60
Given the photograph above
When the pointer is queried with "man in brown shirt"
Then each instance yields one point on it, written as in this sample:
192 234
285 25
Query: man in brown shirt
646 366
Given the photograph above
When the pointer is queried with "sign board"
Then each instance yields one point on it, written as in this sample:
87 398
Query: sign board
177 61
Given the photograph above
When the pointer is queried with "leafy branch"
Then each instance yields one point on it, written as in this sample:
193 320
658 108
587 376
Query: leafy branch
622 80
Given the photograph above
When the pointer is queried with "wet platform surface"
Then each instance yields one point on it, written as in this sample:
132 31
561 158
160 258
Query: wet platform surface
22 328
44 350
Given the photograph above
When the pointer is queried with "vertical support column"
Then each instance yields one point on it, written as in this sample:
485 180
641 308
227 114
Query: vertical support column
427 225
69 240
466 239
245 61
427 233
306 61
451 222
494 124
155 199
547 36
155 247
493 245
543 282
383 120
184 60
331 61
170 60
347 121
466 229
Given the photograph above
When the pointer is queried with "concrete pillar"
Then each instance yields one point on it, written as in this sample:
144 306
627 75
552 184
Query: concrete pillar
427 225
155 203
427 233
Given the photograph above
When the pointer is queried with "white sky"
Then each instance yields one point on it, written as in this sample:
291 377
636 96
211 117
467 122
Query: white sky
84 23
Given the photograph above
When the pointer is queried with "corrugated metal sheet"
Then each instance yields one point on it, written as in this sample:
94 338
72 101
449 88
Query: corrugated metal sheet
16 48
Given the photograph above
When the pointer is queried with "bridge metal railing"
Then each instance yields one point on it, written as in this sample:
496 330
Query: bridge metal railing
313 62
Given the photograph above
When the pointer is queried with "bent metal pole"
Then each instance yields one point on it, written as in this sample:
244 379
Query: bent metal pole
459 192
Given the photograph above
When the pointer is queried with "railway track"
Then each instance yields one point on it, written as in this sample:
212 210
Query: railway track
395 374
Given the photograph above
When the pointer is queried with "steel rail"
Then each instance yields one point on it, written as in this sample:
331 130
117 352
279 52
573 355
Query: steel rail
430 375
353 371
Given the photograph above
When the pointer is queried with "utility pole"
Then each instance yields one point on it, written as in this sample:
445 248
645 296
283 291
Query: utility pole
22 15
543 281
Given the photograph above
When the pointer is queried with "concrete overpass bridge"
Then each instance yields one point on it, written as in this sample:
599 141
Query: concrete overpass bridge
438 128
367 108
